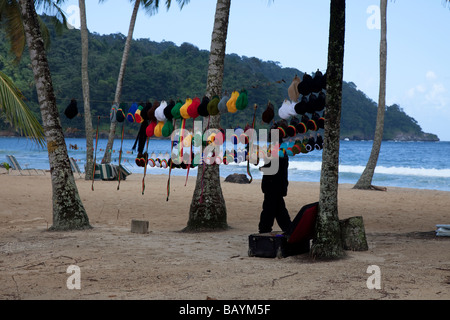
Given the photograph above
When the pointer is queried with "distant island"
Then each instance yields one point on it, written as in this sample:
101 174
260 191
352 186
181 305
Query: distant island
163 71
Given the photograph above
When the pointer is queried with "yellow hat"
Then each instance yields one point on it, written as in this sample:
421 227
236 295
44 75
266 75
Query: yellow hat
158 129
231 103
183 110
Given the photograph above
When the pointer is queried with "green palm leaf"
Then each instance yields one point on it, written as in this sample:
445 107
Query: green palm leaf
16 112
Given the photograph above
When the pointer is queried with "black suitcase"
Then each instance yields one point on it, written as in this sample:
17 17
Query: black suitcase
274 245
295 241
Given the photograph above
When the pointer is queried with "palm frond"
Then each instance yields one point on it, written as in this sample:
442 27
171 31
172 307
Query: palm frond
16 112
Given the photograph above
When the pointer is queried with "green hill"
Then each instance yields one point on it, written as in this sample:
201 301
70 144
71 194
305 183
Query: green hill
163 71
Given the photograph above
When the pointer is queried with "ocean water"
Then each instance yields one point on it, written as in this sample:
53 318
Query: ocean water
422 165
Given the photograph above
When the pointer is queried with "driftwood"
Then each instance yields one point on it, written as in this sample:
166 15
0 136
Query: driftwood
353 234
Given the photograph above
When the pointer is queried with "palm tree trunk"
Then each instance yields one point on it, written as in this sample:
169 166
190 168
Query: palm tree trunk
85 84
365 181
126 50
68 210
208 210
327 242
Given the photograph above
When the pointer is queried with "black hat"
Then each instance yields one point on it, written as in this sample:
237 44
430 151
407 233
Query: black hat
312 123
203 107
305 86
311 105
269 113
310 145
292 128
317 81
300 108
168 110
321 122
319 143
320 102
72 109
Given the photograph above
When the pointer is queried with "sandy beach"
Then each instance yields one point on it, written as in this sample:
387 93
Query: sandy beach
168 264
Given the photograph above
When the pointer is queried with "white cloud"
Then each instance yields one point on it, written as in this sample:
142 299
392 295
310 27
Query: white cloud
430 75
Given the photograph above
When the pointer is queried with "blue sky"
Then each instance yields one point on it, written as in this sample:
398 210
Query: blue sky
295 34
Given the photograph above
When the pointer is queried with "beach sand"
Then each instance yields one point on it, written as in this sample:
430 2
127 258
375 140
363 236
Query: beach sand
168 264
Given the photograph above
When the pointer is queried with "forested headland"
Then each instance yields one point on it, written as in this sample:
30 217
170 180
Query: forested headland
163 71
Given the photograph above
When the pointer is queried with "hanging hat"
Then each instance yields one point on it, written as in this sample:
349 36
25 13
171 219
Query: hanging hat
319 143
320 102
203 107
268 114
316 84
311 105
296 148
183 110
168 110
282 126
112 113
283 111
231 103
321 122
293 89
72 109
144 112
131 112
305 86
312 123
158 129
176 110
212 106
291 109
167 129
292 128
137 114
301 107
192 110
310 145
150 130
242 100
159 112
120 115
151 112
140 160
222 106
302 126
187 141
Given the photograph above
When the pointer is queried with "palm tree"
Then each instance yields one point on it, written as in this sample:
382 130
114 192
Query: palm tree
327 242
68 210
151 7
208 210
10 17
85 84
15 111
365 181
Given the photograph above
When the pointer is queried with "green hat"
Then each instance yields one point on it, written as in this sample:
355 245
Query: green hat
176 110
213 106
242 100
167 129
